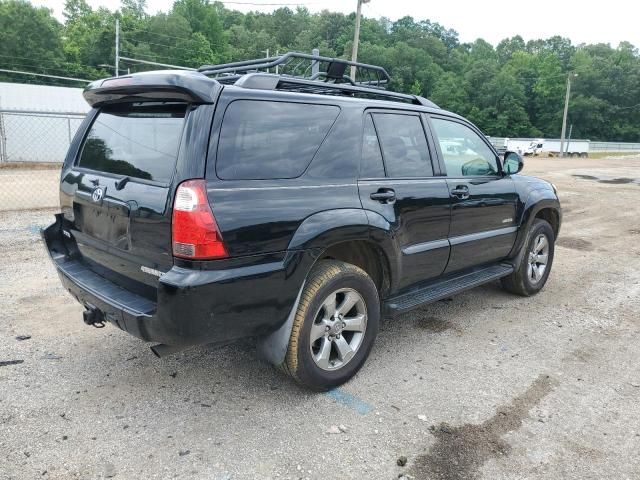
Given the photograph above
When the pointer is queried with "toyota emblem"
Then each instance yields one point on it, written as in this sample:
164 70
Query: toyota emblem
97 195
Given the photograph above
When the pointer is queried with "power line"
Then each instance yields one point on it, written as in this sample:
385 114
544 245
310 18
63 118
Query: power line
44 69
186 39
149 56
39 62
627 108
84 80
171 47
155 33
137 60
255 4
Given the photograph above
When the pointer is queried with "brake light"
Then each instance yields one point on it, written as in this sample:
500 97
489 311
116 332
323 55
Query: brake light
195 233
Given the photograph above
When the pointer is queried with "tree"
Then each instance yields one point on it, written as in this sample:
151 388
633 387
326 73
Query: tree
514 89
31 41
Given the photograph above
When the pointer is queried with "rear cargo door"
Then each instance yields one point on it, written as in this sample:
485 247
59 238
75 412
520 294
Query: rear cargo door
120 186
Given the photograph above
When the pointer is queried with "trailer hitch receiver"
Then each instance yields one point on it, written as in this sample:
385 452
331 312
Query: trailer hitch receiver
93 316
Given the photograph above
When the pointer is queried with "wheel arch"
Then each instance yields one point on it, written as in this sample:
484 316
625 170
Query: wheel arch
541 204
356 236
346 235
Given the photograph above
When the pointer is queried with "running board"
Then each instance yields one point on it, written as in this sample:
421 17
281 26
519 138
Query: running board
445 288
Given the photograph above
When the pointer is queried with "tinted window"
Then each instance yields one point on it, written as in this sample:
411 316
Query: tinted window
404 145
465 153
135 140
263 140
371 166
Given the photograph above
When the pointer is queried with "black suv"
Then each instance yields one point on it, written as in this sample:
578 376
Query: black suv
206 206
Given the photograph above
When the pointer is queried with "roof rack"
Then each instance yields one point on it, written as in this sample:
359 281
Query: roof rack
304 73
303 65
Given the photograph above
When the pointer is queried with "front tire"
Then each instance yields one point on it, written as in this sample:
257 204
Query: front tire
533 270
335 326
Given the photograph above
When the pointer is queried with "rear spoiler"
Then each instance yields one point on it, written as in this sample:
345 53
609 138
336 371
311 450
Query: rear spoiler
161 85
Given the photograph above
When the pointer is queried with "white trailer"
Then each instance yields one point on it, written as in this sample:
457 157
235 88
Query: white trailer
541 146
573 148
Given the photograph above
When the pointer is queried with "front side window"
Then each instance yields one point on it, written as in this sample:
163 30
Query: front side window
271 140
465 153
137 140
404 145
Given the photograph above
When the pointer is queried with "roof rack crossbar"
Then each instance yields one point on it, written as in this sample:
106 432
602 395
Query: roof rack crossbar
347 89
264 64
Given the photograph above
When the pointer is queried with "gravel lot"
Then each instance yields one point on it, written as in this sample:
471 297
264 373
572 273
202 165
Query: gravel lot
485 385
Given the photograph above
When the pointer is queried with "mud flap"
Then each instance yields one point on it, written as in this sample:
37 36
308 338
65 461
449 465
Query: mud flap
273 348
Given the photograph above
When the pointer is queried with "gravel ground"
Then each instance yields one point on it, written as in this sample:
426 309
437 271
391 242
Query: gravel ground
483 386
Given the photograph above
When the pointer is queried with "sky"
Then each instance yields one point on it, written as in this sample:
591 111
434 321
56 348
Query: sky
610 22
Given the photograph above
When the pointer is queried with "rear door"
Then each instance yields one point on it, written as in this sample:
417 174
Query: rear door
397 181
119 190
483 213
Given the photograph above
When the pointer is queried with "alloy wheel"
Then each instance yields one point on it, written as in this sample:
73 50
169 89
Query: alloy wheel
538 258
338 329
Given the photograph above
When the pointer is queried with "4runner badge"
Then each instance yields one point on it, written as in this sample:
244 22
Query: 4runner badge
98 194
151 271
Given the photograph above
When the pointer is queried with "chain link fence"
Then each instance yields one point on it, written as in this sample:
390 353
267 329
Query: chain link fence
36 137
32 148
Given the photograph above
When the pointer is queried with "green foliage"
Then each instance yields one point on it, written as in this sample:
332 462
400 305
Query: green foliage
514 89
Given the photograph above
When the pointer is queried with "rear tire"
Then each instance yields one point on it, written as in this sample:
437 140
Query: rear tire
335 326
533 271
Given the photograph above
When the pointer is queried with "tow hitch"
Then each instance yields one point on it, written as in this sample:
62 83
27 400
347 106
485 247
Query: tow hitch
93 316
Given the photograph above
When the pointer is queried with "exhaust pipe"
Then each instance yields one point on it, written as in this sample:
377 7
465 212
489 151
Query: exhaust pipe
161 350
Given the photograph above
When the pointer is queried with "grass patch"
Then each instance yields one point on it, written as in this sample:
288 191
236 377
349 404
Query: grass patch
30 166
598 155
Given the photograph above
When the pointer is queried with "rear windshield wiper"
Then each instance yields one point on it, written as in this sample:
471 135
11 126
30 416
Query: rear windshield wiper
122 182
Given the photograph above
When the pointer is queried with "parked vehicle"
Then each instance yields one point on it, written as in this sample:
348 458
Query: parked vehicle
204 207
572 148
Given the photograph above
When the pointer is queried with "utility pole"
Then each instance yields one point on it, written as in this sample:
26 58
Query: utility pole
117 46
315 65
566 112
356 38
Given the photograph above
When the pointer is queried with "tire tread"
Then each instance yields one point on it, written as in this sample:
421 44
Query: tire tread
324 271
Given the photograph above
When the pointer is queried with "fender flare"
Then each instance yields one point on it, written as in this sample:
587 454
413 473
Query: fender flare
324 229
538 200
321 231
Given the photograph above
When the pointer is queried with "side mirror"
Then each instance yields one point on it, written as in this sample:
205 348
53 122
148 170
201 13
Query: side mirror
512 163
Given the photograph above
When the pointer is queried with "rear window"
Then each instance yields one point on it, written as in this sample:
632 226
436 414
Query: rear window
268 140
136 140
404 145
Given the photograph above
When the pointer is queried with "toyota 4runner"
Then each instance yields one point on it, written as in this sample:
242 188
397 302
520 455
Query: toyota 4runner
202 207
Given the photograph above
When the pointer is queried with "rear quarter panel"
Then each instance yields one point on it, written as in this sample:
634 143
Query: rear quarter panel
262 216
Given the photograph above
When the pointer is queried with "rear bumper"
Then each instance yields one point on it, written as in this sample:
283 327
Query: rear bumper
193 307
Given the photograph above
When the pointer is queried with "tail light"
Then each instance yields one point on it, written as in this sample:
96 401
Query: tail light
195 233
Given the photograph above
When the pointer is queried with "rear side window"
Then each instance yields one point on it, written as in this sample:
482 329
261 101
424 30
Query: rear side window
269 140
136 140
371 166
404 145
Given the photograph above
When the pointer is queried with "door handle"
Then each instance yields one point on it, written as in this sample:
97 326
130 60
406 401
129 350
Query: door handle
461 192
384 195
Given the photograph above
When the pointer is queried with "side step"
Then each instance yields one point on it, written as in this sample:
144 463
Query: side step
444 288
